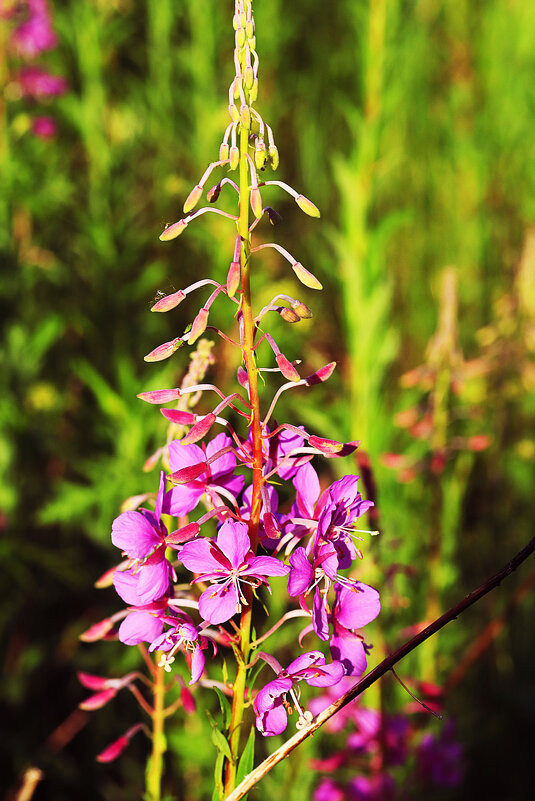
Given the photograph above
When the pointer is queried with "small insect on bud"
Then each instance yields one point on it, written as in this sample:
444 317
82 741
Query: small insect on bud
287 369
199 430
169 302
289 315
199 326
223 151
192 199
233 278
273 156
248 78
301 309
307 206
245 116
256 202
305 276
159 395
172 231
213 194
240 38
274 217
163 351
234 156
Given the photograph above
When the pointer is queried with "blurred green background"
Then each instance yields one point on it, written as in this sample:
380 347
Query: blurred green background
410 124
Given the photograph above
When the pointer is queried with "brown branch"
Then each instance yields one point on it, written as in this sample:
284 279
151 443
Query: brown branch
379 671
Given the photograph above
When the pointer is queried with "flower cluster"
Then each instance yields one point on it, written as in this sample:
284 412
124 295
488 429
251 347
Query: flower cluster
32 35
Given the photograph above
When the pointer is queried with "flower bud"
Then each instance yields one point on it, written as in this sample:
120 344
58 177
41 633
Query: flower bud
163 351
307 206
189 473
249 28
248 78
233 111
301 309
106 579
326 446
273 156
223 151
199 326
234 156
192 199
243 379
179 417
289 315
274 216
240 38
91 681
287 368
233 278
169 302
245 116
305 276
199 430
97 631
213 194
271 526
260 154
188 700
256 202
159 395
183 534
98 700
321 375
172 231
113 750
253 91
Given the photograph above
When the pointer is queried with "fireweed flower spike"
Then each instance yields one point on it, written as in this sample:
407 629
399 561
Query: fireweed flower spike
235 477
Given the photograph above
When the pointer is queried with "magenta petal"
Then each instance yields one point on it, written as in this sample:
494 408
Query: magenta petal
153 581
274 721
218 604
160 496
329 675
183 498
307 485
197 665
197 556
301 573
307 660
356 606
268 695
233 541
349 650
181 456
125 583
140 627
267 566
225 463
133 533
320 621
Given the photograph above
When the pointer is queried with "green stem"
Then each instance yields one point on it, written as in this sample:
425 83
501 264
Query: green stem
238 700
155 766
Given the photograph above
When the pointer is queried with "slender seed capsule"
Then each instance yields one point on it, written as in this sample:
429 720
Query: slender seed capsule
234 157
273 157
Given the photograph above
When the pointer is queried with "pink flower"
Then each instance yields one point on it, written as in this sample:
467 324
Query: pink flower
44 127
35 35
37 83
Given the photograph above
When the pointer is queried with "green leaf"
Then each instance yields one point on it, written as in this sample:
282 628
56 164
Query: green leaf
218 738
219 789
246 762
225 706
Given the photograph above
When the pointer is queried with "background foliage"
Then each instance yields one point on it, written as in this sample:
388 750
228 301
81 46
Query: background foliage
410 124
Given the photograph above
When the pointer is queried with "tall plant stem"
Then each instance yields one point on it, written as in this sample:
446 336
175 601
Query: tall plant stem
155 766
252 374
